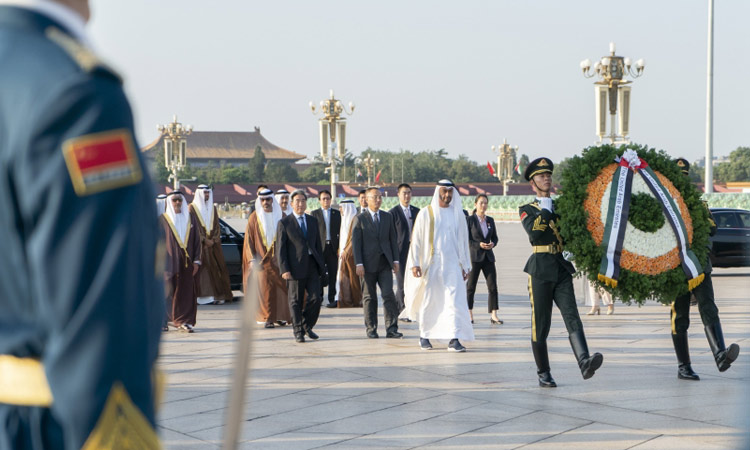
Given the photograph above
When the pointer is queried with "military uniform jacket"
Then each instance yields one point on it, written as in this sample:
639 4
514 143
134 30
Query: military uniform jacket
80 294
541 226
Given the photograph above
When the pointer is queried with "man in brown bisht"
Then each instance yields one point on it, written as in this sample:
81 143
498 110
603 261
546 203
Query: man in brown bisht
349 292
182 263
212 282
259 255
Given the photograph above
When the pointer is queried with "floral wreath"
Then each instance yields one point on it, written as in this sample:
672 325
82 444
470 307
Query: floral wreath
635 224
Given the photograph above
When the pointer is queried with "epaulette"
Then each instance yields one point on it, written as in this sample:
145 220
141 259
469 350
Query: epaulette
85 58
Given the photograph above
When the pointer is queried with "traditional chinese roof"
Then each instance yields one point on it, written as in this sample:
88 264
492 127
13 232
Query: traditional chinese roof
228 145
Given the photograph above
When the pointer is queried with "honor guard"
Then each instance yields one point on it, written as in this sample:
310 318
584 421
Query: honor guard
80 298
550 277
680 314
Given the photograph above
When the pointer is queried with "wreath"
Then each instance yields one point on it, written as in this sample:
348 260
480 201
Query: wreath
636 225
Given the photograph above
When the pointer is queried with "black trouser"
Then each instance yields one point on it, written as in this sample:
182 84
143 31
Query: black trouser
332 266
400 274
542 294
680 311
490 274
383 278
305 318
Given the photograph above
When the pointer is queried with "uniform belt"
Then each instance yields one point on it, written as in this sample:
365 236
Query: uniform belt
551 248
23 382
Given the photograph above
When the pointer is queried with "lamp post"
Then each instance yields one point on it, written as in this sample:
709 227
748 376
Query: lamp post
612 88
369 162
506 155
175 148
332 127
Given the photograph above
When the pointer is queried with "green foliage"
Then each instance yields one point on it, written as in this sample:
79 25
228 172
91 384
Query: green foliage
257 166
276 171
738 167
316 173
161 174
645 213
632 286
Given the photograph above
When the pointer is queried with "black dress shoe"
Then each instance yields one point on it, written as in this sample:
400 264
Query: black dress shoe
496 322
405 319
299 338
590 365
268 325
281 323
372 334
546 380
685 372
312 335
394 335
332 305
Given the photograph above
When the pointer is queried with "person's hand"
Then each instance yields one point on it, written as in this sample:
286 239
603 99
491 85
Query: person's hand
195 268
286 275
209 242
396 266
360 271
465 274
416 271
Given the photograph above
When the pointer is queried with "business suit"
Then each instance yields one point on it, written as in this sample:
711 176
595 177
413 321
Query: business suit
403 237
330 247
375 248
300 254
482 260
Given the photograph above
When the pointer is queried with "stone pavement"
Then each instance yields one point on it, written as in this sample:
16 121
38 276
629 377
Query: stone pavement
347 391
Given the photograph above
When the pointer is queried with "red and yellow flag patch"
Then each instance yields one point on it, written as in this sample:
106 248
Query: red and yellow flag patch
102 161
523 215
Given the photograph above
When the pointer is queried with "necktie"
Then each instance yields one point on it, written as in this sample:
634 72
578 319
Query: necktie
377 221
407 213
303 226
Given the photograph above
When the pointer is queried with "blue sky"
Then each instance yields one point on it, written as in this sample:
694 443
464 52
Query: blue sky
429 74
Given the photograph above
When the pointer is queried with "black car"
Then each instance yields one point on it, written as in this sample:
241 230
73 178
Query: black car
731 243
231 245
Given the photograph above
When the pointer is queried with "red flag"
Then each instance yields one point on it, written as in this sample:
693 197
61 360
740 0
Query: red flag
492 171
359 174
518 168
377 177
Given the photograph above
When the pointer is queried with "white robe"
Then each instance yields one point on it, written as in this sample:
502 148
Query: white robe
437 299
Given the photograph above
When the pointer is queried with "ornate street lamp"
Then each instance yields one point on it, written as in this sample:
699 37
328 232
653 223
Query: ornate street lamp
332 135
369 162
506 156
175 148
612 88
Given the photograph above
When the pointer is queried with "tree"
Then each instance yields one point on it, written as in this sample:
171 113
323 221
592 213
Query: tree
257 166
737 169
315 174
161 173
279 172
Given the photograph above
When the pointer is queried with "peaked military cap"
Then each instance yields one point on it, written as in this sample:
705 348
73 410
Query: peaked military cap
537 166
684 165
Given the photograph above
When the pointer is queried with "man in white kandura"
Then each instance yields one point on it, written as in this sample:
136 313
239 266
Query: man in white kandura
437 267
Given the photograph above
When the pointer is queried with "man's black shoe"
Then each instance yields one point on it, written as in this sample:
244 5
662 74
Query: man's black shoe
546 380
312 335
394 335
332 305
425 344
685 372
405 319
300 338
372 334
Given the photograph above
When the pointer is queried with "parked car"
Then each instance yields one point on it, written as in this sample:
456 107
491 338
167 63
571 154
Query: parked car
232 242
731 243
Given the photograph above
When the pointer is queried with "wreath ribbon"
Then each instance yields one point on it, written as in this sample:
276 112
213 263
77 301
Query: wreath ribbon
617 218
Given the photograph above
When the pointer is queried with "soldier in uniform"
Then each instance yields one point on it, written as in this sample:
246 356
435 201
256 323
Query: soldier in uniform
550 277
82 305
680 315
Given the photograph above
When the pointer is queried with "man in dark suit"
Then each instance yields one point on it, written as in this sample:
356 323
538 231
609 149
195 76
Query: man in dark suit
301 265
330 225
362 201
482 239
404 215
375 254
82 305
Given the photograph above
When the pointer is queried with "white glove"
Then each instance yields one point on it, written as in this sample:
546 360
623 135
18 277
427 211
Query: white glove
546 203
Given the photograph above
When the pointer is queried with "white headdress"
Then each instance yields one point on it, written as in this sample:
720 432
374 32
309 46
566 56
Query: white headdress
279 194
267 221
180 221
455 207
205 208
348 211
161 204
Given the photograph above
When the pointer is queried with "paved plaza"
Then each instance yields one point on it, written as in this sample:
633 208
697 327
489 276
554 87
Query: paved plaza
347 391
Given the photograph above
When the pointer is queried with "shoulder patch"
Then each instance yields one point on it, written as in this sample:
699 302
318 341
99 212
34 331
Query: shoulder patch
523 215
102 161
85 58
121 425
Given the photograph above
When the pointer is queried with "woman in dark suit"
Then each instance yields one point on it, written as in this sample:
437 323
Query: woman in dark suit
482 239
